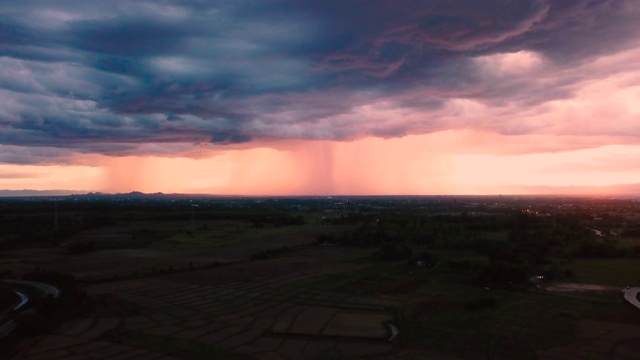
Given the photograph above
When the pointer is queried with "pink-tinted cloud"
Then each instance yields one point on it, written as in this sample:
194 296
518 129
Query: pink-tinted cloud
450 162
348 97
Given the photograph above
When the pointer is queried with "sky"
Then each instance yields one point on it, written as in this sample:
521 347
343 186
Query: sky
310 97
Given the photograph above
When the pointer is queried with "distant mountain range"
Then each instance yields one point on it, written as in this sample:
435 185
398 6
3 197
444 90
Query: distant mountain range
56 193
134 195
619 190
32 193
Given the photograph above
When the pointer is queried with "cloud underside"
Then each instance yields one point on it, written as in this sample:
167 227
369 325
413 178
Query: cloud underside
168 77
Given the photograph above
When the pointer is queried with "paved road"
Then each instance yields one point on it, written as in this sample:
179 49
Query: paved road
8 325
631 295
45 288
23 299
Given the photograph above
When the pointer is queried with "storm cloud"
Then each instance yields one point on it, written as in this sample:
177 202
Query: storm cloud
139 77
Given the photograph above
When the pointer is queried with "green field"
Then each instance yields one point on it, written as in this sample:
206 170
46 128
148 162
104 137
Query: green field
607 271
453 284
439 313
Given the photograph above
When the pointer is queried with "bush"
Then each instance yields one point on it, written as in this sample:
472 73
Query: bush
393 251
272 253
506 274
465 265
479 303
80 247
424 259
324 239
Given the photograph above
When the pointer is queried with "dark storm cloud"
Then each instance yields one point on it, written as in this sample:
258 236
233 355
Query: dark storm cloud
33 155
135 37
93 76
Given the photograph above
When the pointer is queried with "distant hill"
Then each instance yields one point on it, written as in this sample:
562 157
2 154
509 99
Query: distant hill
632 190
33 193
134 195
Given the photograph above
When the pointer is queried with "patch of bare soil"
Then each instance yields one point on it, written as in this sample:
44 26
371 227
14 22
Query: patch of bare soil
586 291
572 287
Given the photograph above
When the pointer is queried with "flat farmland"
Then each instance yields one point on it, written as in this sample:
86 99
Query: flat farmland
324 302
307 283
623 272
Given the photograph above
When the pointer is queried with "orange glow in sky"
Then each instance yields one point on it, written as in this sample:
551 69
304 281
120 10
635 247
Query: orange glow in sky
449 162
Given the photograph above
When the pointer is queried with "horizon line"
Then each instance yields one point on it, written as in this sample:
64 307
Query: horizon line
70 193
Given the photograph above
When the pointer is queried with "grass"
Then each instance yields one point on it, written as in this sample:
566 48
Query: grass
607 271
435 314
106 306
171 235
273 253
628 242
232 233
518 323
7 298
183 349
502 235
444 255
334 281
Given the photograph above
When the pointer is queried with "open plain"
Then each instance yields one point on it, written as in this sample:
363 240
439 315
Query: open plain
233 289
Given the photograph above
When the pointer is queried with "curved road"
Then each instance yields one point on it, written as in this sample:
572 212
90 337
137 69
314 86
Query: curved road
23 299
6 327
45 288
631 295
